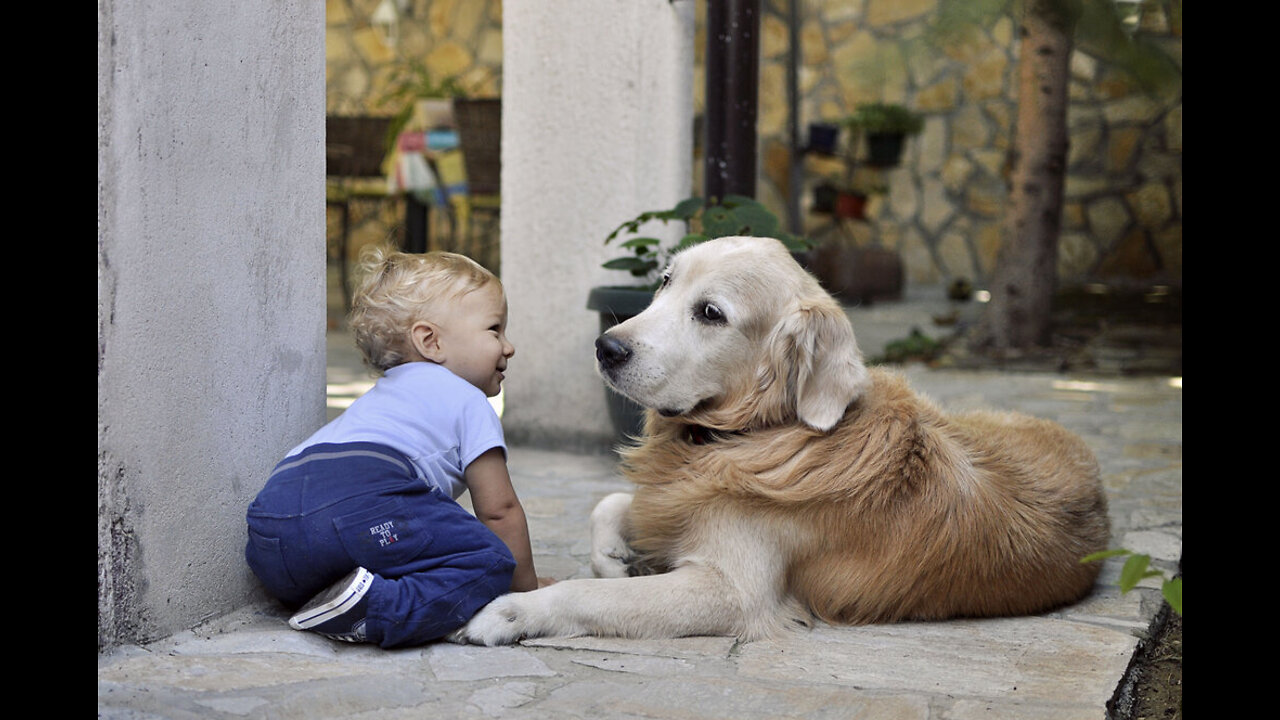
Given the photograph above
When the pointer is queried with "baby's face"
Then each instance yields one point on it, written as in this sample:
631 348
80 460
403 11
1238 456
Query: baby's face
474 341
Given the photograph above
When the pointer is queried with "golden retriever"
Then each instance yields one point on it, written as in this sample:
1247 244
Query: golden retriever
779 479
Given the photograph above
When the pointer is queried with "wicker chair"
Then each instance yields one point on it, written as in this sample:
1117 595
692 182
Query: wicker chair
479 123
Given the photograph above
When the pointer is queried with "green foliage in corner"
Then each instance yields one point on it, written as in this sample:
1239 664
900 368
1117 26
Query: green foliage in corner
1138 568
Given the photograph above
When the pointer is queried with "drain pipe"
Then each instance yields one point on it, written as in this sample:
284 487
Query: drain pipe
795 174
732 97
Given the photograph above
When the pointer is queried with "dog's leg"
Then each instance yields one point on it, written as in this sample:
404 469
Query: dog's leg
610 555
691 600
731 583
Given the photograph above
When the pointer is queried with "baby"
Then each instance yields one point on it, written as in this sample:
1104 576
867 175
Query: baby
358 524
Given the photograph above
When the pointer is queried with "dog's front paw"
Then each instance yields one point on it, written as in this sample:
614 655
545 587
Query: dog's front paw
501 622
611 557
612 560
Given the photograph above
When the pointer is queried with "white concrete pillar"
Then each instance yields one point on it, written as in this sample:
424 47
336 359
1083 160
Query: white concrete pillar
210 291
597 127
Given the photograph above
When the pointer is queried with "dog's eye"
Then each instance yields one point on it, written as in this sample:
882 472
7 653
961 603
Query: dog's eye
709 313
666 280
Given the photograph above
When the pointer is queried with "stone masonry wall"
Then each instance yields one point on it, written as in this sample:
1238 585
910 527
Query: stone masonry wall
452 39
941 209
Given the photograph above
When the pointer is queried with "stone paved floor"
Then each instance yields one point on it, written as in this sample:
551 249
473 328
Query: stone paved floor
1063 665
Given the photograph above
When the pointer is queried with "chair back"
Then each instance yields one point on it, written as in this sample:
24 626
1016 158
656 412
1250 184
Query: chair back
355 146
479 123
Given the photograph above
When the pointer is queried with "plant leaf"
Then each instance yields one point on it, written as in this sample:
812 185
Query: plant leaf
732 201
636 266
756 220
1103 555
1134 571
719 222
1172 591
687 208
640 242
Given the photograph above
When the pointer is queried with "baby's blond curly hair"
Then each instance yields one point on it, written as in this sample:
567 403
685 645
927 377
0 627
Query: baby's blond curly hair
399 289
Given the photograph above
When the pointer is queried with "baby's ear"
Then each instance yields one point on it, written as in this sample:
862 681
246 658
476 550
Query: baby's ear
425 339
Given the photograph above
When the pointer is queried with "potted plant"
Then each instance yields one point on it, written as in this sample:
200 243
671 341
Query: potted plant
886 127
644 259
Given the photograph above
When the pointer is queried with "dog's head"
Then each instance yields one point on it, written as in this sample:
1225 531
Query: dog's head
739 336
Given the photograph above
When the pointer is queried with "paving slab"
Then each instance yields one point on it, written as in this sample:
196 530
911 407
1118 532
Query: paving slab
1061 665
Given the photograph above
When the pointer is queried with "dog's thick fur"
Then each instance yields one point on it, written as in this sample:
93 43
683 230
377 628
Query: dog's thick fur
778 479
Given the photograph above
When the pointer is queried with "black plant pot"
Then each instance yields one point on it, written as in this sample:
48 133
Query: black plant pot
822 138
615 305
884 149
824 198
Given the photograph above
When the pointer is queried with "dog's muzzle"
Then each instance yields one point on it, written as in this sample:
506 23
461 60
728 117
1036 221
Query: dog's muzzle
611 353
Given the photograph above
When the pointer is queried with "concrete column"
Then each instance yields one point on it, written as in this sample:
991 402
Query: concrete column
597 127
210 291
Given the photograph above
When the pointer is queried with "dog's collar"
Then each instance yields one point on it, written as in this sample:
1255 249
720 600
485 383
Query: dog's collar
703 435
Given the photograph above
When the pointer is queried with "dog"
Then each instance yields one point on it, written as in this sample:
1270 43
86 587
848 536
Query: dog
779 479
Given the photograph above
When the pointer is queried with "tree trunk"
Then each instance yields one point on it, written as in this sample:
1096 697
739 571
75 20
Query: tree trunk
1022 287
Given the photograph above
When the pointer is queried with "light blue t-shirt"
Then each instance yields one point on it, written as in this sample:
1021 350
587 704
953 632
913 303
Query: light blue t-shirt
438 420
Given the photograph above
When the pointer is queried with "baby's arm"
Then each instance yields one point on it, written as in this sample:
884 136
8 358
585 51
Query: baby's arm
496 505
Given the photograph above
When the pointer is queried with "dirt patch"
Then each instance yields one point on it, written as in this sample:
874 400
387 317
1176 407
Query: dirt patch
1152 687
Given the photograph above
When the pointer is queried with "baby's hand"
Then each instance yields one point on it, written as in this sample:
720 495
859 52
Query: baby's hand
545 581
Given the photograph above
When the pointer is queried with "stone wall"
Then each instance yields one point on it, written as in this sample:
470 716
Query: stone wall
941 208
452 38
458 40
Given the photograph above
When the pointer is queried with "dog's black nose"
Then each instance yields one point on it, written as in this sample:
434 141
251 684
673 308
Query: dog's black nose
611 352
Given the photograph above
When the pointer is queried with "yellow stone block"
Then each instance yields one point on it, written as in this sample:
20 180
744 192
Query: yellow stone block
336 13
372 46
448 59
1122 147
813 44
986 78
939 96
888 12
774 37
440 17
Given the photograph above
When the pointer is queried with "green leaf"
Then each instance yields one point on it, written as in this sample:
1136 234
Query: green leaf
733 201
1135 571
795 243
640 243
687 208
635 265
1103 555
719 222
756 220
1172 591
630 226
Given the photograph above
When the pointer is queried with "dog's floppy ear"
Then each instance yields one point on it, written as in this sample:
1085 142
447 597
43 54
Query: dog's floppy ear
826 371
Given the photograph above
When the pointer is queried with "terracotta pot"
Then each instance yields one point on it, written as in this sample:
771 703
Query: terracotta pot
850 205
